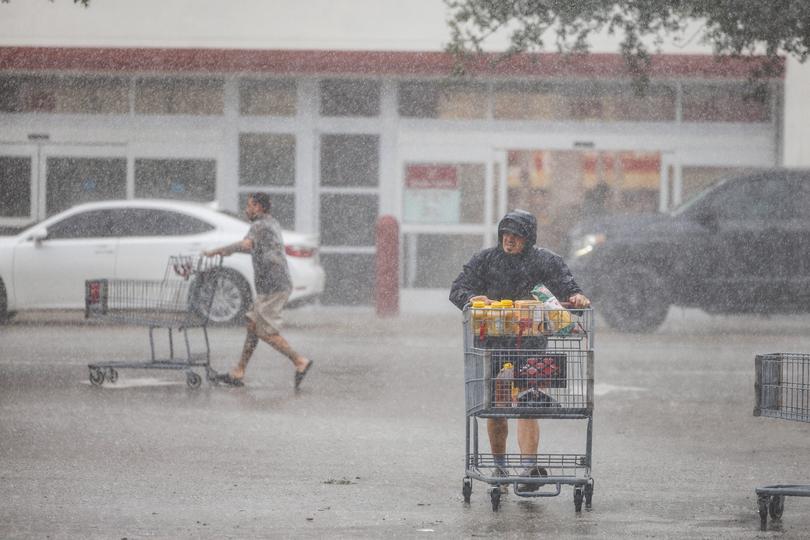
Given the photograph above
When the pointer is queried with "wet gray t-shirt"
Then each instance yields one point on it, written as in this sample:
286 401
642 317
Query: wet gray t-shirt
270 271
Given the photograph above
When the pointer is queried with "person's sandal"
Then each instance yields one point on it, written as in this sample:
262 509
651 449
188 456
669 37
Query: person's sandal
299 375
225 378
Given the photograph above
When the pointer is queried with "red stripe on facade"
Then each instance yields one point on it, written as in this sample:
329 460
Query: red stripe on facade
391 63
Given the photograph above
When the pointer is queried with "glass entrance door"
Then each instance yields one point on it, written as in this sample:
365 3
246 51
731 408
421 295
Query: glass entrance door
448 199
563 186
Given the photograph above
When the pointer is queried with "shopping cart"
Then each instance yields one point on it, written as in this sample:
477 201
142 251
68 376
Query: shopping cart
782 390
528 363
180 301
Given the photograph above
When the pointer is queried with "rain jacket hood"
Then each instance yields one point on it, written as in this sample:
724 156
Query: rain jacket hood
521 223
496 274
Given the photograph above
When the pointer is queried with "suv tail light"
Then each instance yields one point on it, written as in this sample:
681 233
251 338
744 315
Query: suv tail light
299 251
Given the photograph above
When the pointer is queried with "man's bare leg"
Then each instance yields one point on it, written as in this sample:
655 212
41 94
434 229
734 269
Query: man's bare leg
498 430
280 344
528 436
251 340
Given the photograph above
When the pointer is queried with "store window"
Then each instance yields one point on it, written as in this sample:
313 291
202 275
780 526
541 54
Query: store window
434 260
348 219
178 179
64 95
74 180
442 100
15 186
587 100
267 97
623 103
167 95
349 278
341 97
725 103
527 101
348 210
266 159
350 160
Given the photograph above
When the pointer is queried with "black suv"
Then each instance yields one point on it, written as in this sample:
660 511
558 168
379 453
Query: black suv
742 246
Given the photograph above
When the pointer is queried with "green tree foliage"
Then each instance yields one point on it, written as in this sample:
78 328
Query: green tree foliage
739 28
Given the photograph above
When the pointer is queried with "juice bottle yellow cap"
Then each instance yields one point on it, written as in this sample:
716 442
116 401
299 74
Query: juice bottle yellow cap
496 304
478 304
506 303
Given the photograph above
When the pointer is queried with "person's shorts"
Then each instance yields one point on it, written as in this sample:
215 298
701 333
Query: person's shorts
266 312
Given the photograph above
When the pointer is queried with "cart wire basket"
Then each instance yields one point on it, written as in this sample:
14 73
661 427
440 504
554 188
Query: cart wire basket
782 390
179 302
528 362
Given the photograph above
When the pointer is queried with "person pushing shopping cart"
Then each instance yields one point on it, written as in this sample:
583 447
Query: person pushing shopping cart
510 270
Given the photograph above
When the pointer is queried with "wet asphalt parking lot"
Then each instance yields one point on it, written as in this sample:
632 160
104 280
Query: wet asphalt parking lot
373 444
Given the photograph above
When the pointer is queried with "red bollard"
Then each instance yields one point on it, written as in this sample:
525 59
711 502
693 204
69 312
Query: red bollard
386 290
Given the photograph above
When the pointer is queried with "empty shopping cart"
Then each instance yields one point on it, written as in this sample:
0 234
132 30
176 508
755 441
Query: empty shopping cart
782 390
179 302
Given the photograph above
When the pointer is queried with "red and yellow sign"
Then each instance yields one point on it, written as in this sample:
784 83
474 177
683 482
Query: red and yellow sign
640 170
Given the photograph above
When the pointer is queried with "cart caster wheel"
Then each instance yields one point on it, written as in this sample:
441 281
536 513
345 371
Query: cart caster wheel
495 497
588 495
96 377
112 375
776 506
193 380
762 501
578 499
466 490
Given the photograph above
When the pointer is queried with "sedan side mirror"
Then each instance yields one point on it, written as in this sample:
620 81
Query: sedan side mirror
39 234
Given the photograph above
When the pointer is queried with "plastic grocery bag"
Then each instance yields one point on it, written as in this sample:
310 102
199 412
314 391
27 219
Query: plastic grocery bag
556 319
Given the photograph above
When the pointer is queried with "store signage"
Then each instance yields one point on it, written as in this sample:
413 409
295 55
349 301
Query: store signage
432 194
641 170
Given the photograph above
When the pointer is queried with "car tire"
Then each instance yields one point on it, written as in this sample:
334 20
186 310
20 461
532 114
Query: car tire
230 301
633 300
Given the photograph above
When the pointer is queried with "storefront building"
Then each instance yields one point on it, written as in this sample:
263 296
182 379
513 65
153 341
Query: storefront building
340 138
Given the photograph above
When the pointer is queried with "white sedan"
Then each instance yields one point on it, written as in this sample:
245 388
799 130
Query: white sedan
46 265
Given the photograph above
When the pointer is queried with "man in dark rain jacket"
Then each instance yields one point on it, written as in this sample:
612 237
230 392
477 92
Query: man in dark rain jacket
511 270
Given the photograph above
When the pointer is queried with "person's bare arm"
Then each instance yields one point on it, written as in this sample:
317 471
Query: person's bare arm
243 246
579 300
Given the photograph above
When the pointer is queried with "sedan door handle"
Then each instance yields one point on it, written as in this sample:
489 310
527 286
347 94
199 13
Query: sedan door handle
105 251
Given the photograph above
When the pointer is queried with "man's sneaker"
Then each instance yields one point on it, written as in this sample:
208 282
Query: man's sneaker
501 472
534 472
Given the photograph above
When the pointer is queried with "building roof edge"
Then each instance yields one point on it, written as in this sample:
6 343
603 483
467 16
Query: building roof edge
369 63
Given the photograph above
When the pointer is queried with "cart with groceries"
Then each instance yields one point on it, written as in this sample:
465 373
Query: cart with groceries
528 359
178 303
782 390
